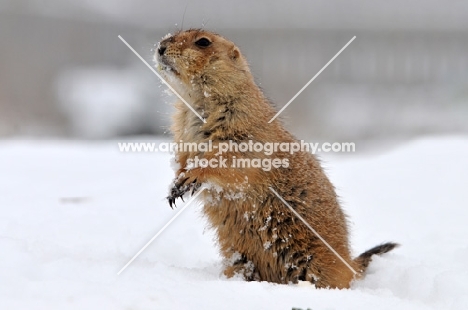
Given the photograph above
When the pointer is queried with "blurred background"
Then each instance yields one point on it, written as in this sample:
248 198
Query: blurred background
65 74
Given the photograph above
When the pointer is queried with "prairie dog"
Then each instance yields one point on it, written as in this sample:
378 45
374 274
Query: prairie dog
259 237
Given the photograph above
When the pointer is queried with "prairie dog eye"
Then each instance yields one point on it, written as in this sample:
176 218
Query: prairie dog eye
203 42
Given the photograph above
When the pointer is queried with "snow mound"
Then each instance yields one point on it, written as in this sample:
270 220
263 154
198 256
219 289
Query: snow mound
74 213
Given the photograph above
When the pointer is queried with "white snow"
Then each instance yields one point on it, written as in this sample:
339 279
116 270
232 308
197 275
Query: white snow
74 213
101 102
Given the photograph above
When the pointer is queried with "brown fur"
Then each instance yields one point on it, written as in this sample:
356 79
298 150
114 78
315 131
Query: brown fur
259 237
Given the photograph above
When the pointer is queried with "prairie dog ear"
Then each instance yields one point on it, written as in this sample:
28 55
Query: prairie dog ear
234 53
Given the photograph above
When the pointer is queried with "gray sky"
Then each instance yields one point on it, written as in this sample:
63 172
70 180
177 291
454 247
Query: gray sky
363 14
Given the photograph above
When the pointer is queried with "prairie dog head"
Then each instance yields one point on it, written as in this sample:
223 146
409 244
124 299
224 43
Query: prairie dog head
198 60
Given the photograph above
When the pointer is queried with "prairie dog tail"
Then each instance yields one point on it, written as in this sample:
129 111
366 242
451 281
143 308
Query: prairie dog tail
365 258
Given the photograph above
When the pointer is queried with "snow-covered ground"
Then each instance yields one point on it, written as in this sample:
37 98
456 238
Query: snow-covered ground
73 213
